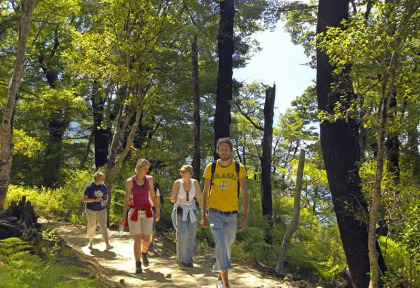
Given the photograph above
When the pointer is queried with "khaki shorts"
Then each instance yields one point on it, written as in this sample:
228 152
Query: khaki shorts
96 216
143 225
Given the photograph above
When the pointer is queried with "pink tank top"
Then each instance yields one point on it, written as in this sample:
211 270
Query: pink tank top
140 192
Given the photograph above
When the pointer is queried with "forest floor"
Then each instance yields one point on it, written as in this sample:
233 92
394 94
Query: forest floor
116 267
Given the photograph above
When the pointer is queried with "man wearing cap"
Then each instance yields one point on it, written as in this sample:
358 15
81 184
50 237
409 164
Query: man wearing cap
185 214
221 194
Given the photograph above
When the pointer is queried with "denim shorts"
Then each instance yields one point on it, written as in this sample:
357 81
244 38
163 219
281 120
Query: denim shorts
223 229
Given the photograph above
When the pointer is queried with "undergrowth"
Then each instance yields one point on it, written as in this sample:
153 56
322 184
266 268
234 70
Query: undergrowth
39 261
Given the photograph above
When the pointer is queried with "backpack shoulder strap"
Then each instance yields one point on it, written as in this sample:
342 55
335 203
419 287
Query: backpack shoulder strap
213 168
237 167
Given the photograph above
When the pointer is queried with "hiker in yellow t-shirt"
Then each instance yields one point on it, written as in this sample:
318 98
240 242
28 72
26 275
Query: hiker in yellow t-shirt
220 195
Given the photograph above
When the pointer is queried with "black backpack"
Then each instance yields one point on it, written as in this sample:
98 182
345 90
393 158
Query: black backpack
157 186
213 168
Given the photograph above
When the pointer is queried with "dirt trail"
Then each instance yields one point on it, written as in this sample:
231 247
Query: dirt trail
163 270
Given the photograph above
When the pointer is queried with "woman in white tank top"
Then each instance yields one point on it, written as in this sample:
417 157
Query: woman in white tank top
185 215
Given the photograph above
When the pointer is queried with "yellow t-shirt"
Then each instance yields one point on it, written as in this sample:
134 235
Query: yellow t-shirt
224 191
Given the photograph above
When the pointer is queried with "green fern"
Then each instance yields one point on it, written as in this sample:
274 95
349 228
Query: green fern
22 268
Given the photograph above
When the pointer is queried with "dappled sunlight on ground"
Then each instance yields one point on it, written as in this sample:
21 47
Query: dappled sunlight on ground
163 270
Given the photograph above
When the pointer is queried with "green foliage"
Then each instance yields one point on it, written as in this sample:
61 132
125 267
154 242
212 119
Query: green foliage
63 203
22 268
402 266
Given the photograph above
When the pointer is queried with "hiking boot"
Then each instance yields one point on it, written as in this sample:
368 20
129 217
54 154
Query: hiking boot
138 267
145 259
108 247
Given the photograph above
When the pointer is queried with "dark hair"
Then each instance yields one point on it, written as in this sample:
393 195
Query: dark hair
226 141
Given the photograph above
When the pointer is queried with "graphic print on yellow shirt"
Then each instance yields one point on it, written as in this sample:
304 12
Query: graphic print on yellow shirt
223 193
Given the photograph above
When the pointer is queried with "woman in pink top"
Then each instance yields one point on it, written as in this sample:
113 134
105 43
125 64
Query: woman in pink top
140 214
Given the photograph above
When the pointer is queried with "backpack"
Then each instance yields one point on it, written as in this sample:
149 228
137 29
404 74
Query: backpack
213 168
157 186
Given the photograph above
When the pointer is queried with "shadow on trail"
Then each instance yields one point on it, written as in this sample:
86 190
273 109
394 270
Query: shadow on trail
163 270
103 254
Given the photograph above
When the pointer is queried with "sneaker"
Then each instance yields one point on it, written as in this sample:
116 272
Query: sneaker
90 246
138 267
219 284
145 259
109 247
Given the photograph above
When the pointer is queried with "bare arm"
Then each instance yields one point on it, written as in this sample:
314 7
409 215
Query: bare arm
153 196
86 199
128 188
198 194
205 198
175 189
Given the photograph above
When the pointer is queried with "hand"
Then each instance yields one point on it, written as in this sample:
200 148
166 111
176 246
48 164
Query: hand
174 198
98 199
105 201
122 221
243 222
204 221
157 216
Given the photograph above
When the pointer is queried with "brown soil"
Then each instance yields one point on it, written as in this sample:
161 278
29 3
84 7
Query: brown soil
116 267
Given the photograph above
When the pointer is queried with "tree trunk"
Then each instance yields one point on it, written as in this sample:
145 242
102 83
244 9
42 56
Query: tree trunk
222 118
57 123
86 154
196 110
6 156
341 151
266 195
392 145
114 164
102 132
295 219
376 199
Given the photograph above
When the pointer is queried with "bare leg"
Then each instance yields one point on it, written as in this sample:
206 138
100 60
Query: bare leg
225 277
145 243
137 246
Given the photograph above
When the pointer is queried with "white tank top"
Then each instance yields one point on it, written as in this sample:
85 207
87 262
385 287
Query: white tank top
182 194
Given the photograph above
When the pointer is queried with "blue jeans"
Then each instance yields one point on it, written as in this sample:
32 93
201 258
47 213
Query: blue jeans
186 237
223 229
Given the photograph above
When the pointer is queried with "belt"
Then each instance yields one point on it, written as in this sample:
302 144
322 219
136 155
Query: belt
222 212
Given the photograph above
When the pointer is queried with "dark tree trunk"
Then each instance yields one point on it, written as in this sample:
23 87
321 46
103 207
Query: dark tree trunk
267 201
101 131
393 147
57 124
341 151
222 118
196 110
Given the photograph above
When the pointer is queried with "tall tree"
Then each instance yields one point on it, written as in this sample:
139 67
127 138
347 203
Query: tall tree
341 150
267 143
196 108
222 117
6 156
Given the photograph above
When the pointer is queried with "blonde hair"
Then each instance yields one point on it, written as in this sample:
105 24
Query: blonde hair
98 175
141 163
